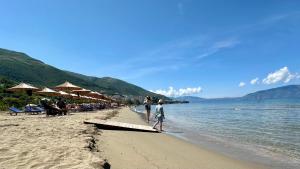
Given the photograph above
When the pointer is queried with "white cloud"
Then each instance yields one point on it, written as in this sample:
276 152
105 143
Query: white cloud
228 43
219 45
281 75
171 92
242 84
254 81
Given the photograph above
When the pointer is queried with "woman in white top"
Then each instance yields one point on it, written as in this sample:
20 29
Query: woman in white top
159 114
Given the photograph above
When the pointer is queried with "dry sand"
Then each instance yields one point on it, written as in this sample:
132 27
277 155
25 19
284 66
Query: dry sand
139 150
36 141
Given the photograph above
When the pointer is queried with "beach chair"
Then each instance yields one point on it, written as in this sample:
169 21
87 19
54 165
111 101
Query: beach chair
39 108
15 111
33 110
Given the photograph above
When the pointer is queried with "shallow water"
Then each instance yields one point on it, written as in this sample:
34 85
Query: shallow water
265 132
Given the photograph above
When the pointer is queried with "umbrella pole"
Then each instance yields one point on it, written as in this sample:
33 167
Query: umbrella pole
29 94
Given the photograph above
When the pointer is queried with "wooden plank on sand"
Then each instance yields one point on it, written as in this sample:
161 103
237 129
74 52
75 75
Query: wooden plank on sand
120 125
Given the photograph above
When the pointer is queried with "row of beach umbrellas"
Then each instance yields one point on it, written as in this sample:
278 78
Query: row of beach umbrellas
67 90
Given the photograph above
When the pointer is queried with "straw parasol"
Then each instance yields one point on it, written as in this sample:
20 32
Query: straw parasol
81 91
67 86
64 94
73 95
23 87
95 94
84 97
101 100
48 92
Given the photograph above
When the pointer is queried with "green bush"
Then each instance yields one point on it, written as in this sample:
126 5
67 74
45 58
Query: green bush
3 106
16 102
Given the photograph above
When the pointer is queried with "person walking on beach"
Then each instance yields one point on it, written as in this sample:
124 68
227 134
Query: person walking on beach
147 103
159 114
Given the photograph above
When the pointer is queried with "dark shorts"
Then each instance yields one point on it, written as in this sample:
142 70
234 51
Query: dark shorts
160 119
147 107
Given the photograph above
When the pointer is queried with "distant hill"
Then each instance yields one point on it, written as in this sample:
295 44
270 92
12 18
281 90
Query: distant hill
20 67
195 99
285 92
191 99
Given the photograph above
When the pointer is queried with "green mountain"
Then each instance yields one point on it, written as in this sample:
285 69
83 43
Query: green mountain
20 67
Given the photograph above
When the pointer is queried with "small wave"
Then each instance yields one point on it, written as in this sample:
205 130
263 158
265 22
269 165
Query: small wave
174 132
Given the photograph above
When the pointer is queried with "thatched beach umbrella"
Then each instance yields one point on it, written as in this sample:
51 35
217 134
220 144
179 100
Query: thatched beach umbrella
74 95
96 95
67 86
23 87
81 91
86 98
48 92
64 94
92 99
101 100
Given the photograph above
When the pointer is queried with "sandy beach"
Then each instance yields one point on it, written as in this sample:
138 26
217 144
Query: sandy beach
36 141
139 150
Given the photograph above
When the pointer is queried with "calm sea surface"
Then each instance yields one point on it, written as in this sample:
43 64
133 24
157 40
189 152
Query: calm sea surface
265 132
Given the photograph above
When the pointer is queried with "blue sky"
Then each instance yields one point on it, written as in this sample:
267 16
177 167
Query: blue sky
202 48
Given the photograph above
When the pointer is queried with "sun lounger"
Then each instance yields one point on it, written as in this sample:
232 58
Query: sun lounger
39 108
15 111
33 110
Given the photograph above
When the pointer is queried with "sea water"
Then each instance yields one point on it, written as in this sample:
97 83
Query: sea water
263 132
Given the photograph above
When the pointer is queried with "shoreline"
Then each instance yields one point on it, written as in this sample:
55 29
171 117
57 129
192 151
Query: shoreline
160 150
